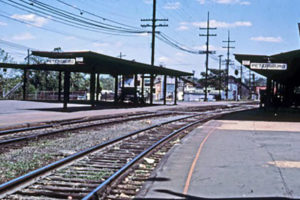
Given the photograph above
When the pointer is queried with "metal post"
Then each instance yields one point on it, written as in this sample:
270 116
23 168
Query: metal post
165 90
59 86
123 81
92 89
175 92
151 89
220 75
25 76
135 88
116 89
241 82
268 95
24 83
143 83
66 88
97 87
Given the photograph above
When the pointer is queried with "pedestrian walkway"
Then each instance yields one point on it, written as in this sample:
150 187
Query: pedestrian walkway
232 157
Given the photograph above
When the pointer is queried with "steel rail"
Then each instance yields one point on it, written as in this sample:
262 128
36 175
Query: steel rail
35 136
94 195
64 122
33 174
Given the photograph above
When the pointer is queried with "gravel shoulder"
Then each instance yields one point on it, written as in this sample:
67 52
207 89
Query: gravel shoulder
44 151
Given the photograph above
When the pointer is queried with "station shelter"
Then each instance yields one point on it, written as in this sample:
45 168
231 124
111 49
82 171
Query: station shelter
282 72
95 64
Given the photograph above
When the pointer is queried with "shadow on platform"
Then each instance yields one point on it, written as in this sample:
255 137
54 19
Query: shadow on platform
177 195
281 115
85 106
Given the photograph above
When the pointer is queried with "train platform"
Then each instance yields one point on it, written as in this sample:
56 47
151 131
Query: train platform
247 154
24 113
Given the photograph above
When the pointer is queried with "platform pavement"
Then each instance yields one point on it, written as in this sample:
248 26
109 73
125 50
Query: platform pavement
236 158
17 113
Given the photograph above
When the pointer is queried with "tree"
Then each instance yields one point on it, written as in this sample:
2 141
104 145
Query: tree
213 79
8 78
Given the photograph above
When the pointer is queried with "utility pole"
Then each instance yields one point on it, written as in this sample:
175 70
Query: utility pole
250 90
121 55
154 20
241 81
253 84
25 78
220 75
207 52
227 62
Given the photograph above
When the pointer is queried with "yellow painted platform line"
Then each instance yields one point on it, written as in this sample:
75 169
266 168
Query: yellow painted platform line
192 168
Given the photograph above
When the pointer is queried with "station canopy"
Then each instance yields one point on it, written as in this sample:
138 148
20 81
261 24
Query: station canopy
290 74
88 62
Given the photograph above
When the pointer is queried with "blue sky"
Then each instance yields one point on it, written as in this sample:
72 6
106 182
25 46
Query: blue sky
257 26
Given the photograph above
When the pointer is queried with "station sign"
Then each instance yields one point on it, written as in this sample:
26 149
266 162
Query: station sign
60 61
246 62
268 66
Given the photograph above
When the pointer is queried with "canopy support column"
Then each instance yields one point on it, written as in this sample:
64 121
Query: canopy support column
116 89
165 90
175 91
143 83
25 76
92 89
66 88
59 86
123 81
268 95
135 88
151 88
98 87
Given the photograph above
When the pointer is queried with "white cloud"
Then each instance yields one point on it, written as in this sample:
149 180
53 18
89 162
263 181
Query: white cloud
220 24
3 24
142 34
23 36
179 54
163 59
201 1
232 2
172 5
70 38
148 1
106 44
240 2
183 28
211 48
98 44
267 39
31 18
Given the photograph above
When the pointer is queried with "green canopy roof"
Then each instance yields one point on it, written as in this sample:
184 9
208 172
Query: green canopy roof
98 63
289 76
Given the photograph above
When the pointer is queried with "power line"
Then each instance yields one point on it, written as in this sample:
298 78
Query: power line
95 15
67 18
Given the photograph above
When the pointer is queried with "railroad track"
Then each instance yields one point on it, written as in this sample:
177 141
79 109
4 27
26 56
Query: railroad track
24 134
86 174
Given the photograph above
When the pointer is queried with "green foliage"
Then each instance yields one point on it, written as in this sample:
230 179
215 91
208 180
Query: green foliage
107 83
213 78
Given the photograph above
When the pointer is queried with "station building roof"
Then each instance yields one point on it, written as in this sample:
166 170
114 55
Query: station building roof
95 62
291 58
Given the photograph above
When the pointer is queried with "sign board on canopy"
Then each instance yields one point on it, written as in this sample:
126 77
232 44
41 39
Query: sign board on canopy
268 66
63 61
